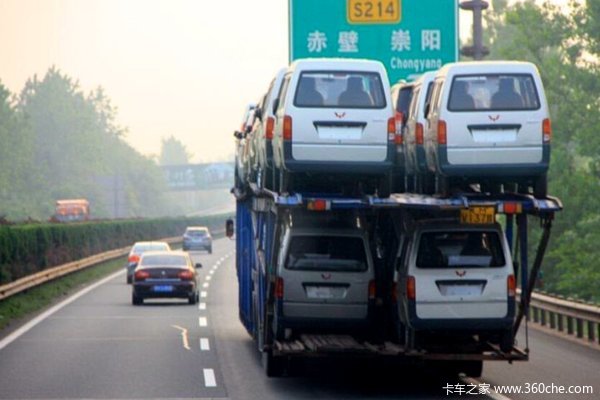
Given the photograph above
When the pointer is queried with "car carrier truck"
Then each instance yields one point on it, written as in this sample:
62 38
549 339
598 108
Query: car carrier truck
399 308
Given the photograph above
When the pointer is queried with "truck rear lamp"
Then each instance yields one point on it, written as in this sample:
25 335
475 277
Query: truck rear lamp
441 132
141 275
391 129
510 208
411 288
318 205
287 127
419 133
279 288
372 290
511 285
269 128
547 130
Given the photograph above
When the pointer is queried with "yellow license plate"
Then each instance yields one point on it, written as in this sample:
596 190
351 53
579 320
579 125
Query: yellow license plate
478 215
374 11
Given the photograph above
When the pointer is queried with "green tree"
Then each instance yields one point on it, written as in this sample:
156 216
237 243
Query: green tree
560 41
173 152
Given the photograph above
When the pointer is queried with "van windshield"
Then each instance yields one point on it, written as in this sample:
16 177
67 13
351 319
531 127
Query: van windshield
493 92
327 253
340 89
459 249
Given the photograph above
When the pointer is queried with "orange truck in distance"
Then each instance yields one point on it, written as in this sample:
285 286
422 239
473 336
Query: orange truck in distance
72 210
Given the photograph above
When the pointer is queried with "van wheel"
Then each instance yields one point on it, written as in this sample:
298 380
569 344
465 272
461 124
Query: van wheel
272 365
540 187
284 181
193 298
385 186
428 183
442 185
506 341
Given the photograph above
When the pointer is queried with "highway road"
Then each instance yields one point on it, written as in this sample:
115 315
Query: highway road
99 346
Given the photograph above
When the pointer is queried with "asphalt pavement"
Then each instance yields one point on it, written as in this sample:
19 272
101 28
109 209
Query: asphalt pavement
99 346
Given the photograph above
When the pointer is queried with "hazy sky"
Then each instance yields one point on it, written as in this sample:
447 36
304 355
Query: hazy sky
172 67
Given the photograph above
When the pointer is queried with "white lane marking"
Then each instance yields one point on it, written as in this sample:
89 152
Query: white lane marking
208 277
205 285
204 344
492 394
202 306
25 328
209 378
184 337
203 321
212 271
203 294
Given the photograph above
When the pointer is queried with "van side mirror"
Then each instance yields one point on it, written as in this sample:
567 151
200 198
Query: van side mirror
229 228
238 134
198 265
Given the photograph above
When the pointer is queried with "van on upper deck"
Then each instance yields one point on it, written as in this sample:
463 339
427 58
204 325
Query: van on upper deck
488 123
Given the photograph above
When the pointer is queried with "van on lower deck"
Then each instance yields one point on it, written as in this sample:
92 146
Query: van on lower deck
325 280
455 281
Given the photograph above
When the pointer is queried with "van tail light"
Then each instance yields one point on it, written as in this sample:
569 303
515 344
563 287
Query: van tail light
141 275
547 130
511 286
269 130
279 289
441 132
395 292
186 275
419 133
133 259
287 127
399 119
372 290
391 129
411 288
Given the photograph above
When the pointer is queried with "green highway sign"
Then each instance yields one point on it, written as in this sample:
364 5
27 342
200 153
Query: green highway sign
408 36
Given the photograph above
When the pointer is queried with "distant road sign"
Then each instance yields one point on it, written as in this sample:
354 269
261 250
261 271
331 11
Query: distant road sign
409 36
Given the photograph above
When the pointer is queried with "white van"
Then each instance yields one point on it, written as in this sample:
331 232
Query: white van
263 136
457 282
242 145
488 123
416 163
335 119
325 280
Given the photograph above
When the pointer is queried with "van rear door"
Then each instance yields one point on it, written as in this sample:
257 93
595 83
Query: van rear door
495 119
332 271
461 274
340 116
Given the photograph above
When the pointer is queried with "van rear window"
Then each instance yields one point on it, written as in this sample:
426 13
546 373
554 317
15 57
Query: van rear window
459 249
493 92
340 89
327 253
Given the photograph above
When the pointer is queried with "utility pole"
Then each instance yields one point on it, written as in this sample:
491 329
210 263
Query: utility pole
477 50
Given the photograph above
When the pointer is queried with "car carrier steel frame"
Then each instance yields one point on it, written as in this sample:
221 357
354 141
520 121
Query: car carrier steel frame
258 223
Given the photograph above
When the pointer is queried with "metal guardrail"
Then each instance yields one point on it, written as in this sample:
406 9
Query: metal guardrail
49 274
578 320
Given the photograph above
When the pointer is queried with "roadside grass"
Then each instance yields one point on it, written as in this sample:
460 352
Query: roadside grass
33 300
